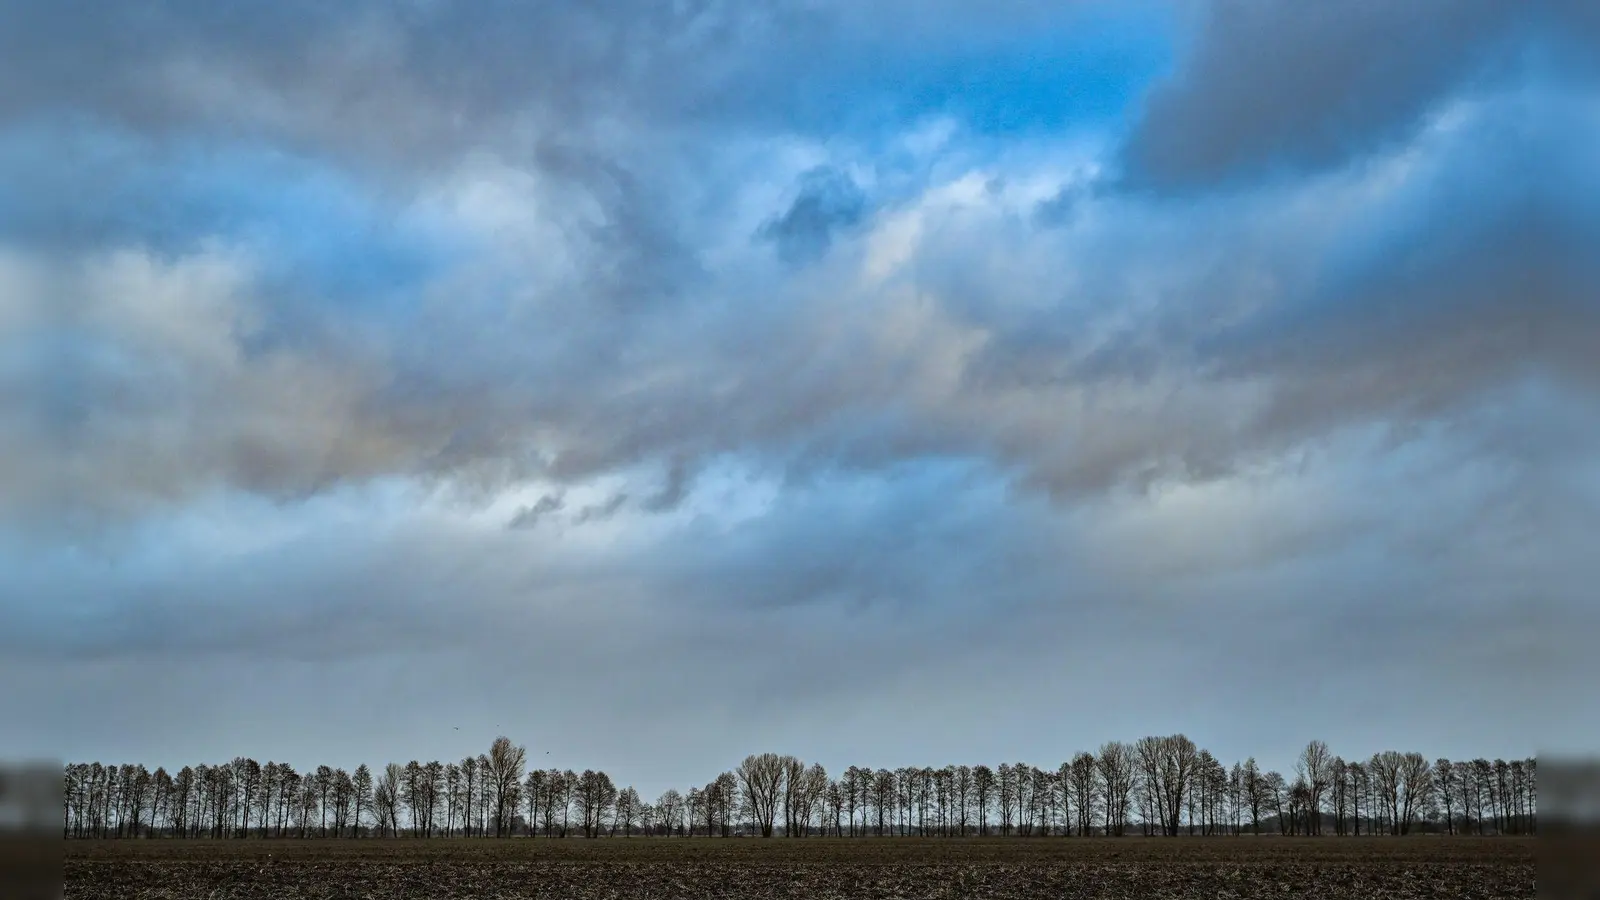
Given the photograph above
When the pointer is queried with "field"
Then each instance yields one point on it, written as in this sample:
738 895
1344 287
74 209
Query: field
861 869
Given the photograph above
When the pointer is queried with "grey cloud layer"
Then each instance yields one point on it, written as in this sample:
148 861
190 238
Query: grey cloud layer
387 79
850 604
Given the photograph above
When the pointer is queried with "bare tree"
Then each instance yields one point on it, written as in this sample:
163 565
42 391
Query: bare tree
452 797
693 802
1236 798
1357 774
1166 781
711 808
469 785
1005 794
793 787
669 811
1501 793
1388 772
1085 783
963 798
883 791
1444 779
287 793
533 794
725 791
851 789
629 808
344 791
1339 785
647 818
596 795
1063 784
1277 793
1416 787
1167 763
1403 781
558 799
808 797
983 787
761 779
1299 806
1313 766
361 782
1116 768
1481 771
506 761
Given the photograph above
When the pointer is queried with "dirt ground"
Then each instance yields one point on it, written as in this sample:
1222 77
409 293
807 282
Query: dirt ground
817 869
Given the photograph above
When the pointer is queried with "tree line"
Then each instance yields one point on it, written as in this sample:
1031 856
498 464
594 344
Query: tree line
1155 786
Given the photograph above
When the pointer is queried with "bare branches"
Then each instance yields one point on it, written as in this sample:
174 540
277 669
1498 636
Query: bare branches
761 778
1160 784
506 762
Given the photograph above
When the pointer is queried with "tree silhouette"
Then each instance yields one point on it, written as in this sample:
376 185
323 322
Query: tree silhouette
503 775
761 778
1170 785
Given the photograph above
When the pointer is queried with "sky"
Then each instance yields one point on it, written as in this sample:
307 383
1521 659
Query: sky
888 384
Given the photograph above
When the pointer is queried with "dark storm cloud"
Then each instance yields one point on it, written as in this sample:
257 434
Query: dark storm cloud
549 506
1269 88
674 487
1460 286
600 512
529 516
828 200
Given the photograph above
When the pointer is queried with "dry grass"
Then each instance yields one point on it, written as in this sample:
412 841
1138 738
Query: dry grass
861 869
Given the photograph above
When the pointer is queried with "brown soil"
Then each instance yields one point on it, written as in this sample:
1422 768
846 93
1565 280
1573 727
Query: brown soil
858 869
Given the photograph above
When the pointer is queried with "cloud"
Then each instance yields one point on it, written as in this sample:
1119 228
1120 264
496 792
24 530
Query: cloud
529 516
829 199
1145 339
151 391
1271 87
600 512
937 576
920 336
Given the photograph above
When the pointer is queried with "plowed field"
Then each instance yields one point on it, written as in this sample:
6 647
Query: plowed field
815 869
